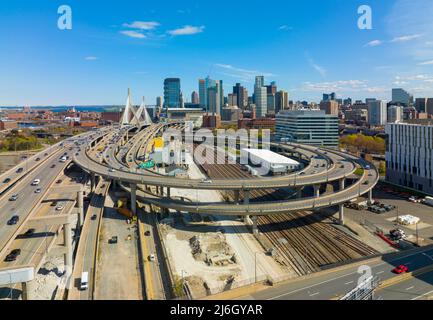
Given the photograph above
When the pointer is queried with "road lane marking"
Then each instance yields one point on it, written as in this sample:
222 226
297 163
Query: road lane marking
314 294
380 272
410 288
349 274
349 282
423 295
425 254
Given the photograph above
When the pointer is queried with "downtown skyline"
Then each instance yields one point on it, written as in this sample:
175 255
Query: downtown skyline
307 52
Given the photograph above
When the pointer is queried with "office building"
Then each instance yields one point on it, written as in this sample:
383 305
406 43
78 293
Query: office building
330 96
395 114
231 113
421 104
429 107
281 101
172 95
241 94
330 107
401 96
159 102
232 100
202 92
260 97
409 155
195 97
215 98
313 127
377 113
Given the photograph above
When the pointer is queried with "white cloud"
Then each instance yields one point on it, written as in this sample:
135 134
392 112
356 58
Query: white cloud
133 34
91 58
426 63
373 43
406 38
142 25
242 74
321 70
285 27
186 30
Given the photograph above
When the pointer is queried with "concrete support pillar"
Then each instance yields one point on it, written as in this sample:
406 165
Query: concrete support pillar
168 192
80 206
27 289
255 228
370 196
342 184
134 198
92 181
316 190
67 234
341 214
246 202
237 196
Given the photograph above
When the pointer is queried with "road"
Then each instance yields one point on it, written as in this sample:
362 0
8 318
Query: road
87 248
337 283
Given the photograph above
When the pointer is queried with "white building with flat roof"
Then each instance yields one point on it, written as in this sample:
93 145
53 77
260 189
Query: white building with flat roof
271 162
409 155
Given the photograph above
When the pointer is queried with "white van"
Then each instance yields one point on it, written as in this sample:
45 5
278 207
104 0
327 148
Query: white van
36 182
84 285
63 159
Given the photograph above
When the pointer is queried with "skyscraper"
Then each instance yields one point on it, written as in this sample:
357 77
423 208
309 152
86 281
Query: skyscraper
401 96
159 102
260 97
377 113
271 92
421 104
328 97
241 94
281 101
330 107
202 92
195 98
172 93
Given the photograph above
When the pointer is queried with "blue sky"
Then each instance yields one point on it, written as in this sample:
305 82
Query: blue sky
308 47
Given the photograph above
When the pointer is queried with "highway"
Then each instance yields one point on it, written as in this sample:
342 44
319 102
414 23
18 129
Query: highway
333 284
85 259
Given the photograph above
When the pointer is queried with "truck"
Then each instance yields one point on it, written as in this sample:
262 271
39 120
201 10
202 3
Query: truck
84 284
428 201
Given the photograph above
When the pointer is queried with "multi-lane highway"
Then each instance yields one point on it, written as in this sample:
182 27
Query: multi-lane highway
335 284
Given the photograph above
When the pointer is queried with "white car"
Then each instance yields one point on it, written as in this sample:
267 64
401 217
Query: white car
112 170
60 208
152 258
38 190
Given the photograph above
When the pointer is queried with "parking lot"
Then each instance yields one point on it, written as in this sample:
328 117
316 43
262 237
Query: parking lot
386 221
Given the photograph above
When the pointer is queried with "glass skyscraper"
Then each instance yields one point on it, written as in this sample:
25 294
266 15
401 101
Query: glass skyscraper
172 93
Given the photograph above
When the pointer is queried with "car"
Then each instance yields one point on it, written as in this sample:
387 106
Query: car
302 174
36 182
20 170
13 255
147 233
111 169
366 182
152 258
7 180
59 181
53 166
113 240
14 220
38 159
13 198
400 269
38 190
54 204
46 153
60 208
94 217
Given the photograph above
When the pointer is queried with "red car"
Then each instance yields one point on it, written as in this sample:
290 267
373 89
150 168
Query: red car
400 269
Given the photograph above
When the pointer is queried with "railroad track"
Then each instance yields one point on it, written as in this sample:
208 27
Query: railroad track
305 243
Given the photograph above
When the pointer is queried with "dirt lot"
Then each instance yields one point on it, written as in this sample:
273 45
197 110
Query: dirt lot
118 275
